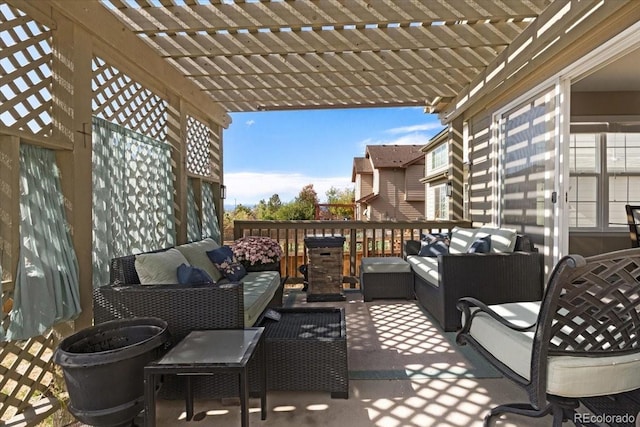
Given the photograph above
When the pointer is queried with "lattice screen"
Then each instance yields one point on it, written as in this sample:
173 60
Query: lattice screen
198 147
119 99
25 72
27 373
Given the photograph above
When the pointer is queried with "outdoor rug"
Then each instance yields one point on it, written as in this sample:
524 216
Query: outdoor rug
396 340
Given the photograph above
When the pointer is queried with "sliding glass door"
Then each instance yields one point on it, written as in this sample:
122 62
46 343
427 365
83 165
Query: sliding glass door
528 140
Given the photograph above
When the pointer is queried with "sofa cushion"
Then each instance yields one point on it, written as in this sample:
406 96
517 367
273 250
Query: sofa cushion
190 275
502 239
196 254
482 245
566 375
259 287
426 268
384 265
159 268
227 264
461 239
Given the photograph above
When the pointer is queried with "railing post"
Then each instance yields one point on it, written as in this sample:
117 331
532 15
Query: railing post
352 251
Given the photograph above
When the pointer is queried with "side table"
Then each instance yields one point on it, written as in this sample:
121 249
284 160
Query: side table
385 277
208 353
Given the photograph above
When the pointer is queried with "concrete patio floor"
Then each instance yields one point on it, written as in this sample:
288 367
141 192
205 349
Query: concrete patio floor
380 403
416 402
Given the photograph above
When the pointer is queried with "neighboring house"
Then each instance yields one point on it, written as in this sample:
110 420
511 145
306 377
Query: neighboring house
438 187
388 183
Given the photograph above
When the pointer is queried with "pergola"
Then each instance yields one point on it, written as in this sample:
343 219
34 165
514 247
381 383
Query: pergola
274 55
174 69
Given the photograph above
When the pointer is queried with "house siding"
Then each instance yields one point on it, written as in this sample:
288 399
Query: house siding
415 189
391 205
482 174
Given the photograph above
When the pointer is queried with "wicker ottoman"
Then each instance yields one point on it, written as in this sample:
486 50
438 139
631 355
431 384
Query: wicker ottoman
306 350
385 277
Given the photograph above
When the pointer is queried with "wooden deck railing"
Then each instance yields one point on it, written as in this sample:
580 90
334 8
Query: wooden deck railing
362 238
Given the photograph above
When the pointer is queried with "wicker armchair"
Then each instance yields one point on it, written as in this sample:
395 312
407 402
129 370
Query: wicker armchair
581 340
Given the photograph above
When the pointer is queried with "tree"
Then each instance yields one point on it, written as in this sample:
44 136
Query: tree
268 210
303 206
345 196
241 212
307 201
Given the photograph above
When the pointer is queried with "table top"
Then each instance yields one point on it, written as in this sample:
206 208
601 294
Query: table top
215 347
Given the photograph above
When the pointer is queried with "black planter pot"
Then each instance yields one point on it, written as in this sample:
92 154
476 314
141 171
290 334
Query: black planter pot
103 368
272 266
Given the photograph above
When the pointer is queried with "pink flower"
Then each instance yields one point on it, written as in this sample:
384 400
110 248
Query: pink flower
257 249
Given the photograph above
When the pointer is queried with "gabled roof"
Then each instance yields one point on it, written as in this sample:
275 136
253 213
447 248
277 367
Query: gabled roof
361 165
393 156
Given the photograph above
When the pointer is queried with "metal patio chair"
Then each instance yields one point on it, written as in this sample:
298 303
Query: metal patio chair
581 340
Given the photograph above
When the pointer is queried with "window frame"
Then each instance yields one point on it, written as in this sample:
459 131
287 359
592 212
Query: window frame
603 182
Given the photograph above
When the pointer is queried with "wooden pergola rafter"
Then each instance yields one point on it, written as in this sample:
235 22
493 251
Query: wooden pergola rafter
270 55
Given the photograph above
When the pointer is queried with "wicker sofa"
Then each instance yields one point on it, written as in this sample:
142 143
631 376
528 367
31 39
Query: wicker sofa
187 308
512 271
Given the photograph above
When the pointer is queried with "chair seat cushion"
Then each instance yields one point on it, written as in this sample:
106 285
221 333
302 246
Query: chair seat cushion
568 376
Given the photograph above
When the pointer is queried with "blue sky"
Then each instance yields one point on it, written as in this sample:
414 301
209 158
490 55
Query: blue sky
279 152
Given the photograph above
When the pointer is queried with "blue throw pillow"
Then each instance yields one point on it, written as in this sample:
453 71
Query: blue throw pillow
435 248
190 275
482 245
224 261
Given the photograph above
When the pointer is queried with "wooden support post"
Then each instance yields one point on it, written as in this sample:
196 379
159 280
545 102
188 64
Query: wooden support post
72 122
9 209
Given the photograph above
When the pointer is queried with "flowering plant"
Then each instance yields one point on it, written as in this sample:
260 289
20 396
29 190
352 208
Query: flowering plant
257 250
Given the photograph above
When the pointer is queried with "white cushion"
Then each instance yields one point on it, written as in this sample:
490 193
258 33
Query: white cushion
502 239
196 254
568 376
461 240
159 267
384 265
259 287
511 347
426 268
576 376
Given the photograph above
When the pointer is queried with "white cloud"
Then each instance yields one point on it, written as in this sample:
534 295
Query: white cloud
248 188
405 135
250 122
416 128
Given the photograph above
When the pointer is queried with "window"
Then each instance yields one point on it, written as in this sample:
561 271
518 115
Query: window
437 201
437 159
604 176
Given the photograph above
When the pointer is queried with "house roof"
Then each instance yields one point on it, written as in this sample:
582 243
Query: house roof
393 156
361 165
275 55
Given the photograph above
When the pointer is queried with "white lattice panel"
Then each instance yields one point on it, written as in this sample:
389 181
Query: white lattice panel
198 147
25 72
119 99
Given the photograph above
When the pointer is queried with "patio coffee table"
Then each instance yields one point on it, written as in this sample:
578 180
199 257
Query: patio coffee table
306 350
208 353
385 277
